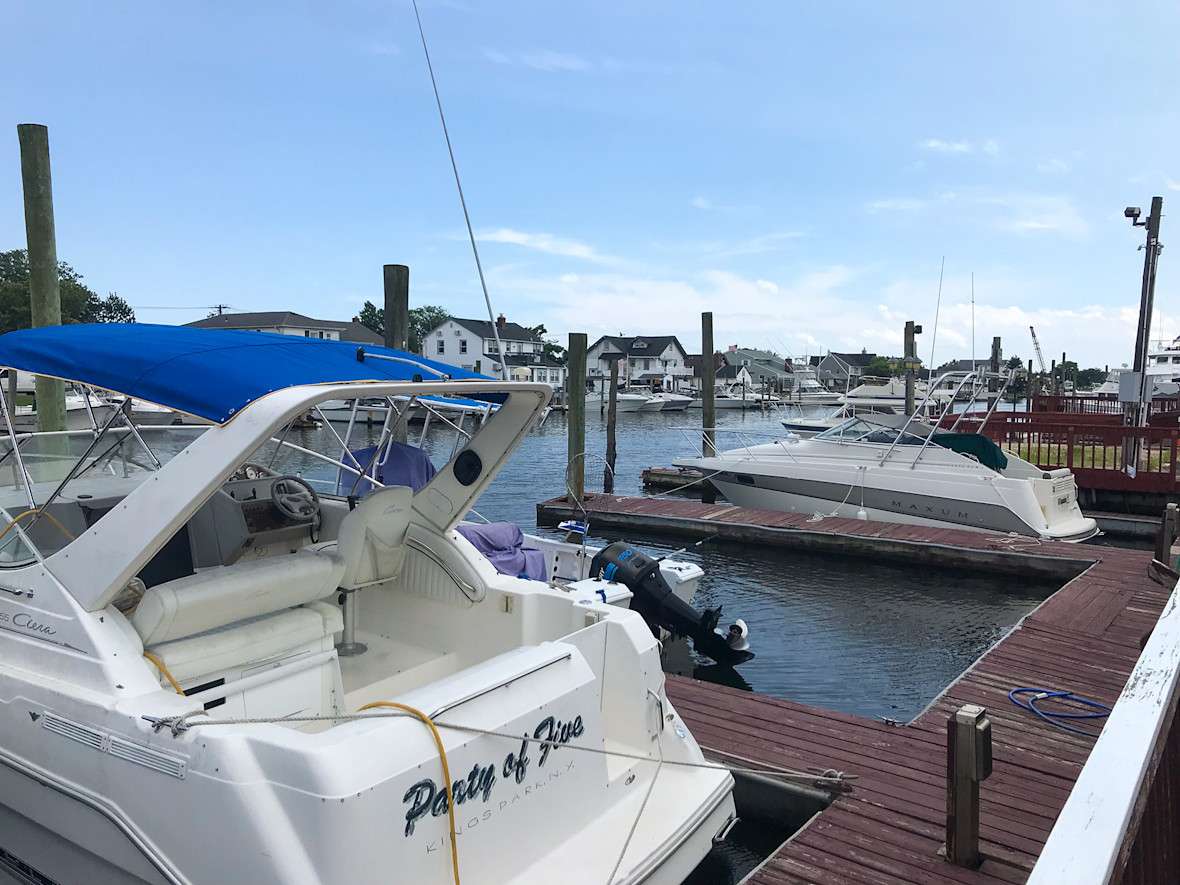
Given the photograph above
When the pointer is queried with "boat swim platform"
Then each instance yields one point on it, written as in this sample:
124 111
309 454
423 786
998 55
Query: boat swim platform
891 827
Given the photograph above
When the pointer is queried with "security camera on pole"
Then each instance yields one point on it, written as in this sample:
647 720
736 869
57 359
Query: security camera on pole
1136 413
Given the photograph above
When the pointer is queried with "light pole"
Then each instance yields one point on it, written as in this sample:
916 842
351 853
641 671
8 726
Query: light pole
1146 301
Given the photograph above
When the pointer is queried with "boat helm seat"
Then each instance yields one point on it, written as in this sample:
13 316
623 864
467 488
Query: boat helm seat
372 538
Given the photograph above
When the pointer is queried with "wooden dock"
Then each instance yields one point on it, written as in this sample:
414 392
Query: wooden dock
891 827
949 548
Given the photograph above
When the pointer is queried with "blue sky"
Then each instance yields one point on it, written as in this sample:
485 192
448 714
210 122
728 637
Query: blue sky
799 169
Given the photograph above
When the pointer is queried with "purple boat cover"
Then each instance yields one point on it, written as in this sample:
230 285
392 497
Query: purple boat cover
503 545
403 465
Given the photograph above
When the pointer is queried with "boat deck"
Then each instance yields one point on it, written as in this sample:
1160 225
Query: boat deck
891 827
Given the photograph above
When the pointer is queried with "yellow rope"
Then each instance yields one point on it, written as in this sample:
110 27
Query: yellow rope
21 516
151 657
446 770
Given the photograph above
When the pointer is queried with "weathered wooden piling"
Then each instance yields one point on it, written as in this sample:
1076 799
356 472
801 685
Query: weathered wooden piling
576 415
44 289
708 405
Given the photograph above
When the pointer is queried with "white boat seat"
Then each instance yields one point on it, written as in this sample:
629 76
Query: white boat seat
227 594
236 646
372 537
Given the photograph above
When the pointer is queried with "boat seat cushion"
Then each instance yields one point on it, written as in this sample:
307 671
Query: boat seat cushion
372 538
224 595
502 543
249 641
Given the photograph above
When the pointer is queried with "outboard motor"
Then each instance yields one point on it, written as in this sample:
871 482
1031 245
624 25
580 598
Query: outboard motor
661 607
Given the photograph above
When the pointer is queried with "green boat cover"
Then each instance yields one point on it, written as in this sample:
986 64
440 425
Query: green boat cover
977 445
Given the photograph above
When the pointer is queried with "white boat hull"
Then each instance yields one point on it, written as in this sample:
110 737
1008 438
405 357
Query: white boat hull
945 489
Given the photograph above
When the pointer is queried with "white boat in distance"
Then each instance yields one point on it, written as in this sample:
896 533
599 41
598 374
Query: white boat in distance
895 469
221 659
891 392
807 391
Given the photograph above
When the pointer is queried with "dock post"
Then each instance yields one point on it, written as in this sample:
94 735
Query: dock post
1165 537
968 761
708 406
608 478
397 322
44 286
911 362
576 416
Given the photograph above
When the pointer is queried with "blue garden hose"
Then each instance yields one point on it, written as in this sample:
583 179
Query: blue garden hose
1040 694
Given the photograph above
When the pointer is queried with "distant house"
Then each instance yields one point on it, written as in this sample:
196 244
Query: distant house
643 359
841 371
966 366
762 366
286 322
471 344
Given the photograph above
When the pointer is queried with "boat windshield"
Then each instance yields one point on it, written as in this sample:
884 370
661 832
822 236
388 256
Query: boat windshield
54 486
861 431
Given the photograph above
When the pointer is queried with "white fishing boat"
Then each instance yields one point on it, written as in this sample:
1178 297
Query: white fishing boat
896 469
806 390
630 402
668 402
807 425
891 392
228 657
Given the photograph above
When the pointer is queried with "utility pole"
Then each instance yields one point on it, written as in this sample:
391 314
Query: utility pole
1137 412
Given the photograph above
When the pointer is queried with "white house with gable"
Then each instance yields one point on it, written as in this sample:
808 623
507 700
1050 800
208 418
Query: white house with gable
471 344
645 359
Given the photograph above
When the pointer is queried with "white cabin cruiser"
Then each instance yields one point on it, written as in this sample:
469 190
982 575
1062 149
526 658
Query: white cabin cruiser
896 469
891 392
227 657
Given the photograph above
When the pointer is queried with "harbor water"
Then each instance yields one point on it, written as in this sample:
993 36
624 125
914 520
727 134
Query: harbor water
857 636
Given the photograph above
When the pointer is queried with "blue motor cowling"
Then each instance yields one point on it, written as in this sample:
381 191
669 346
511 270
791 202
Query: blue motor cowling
661 607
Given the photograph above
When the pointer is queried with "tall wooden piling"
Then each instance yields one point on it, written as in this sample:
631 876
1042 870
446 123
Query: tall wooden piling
44 290
576 416
708 404
397 306
397 323
608 478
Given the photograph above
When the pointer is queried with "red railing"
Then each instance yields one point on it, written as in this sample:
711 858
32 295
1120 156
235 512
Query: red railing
1099 454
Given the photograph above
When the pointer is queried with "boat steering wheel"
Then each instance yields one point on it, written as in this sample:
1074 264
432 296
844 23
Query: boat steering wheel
294 498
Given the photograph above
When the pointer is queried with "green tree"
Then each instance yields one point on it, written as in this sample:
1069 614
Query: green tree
553 350
422 320
372 317
884 367
1088 379
111 309
79 304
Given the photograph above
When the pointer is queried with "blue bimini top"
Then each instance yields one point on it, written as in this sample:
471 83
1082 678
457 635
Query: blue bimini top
210 373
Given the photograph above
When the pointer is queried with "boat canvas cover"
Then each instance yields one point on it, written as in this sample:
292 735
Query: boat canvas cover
978 446
209 373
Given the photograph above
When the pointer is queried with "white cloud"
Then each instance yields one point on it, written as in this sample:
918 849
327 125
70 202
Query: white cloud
1173 185
947 147
829 309
898 205
991 147
1052 167
543 60
547 243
